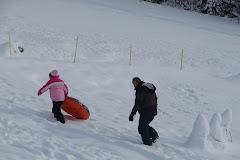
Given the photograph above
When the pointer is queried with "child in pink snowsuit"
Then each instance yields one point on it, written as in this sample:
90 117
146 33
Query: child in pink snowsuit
58 90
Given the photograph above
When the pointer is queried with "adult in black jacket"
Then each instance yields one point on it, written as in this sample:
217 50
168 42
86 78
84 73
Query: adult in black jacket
146 105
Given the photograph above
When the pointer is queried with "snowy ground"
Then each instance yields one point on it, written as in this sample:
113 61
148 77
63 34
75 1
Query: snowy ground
101 78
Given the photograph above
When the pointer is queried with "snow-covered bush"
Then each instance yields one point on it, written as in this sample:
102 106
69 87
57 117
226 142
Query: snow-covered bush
16 49
221 8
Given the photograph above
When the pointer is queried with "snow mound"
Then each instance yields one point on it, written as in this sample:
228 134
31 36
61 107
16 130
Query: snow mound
16 49
226 124
199 134
227 119
216 131
214 135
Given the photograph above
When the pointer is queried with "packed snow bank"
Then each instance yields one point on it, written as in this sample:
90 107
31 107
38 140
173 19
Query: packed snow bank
16 49
199 134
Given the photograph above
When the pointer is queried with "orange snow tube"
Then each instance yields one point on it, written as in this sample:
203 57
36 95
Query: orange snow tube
75 108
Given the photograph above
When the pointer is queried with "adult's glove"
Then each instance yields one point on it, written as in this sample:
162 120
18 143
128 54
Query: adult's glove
131 117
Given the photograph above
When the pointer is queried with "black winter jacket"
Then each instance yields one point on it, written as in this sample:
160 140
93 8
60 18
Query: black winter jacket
146 97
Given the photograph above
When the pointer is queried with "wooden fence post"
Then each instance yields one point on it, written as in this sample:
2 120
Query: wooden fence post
130 54
10 46
76 50
182 59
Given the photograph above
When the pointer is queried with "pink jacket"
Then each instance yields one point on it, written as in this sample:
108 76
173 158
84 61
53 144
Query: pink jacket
57 89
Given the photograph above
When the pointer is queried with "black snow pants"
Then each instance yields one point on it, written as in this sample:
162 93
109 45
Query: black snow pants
147 133
56 110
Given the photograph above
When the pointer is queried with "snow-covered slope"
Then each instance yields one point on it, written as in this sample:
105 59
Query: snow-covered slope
101 78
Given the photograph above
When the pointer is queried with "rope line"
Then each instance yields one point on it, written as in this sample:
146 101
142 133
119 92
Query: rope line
215 138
